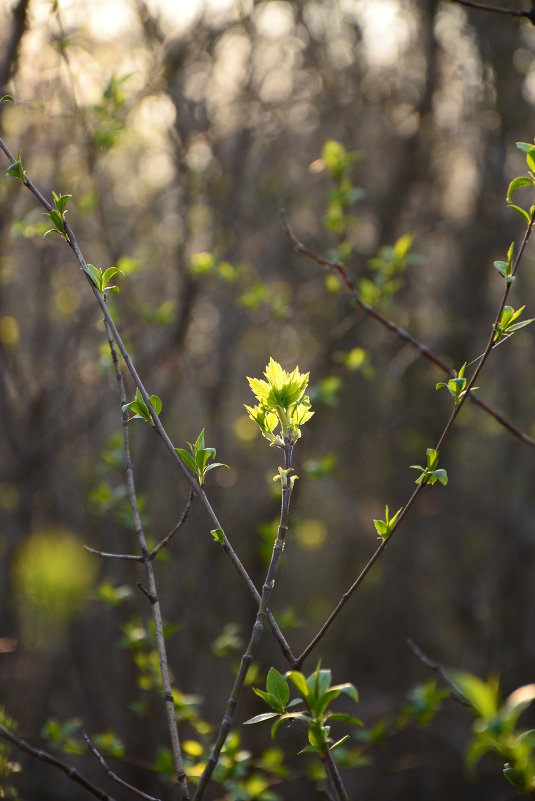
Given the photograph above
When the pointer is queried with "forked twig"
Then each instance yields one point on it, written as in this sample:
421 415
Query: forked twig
158 427
457 408
338 268
44 756
113 776
437 668
183 518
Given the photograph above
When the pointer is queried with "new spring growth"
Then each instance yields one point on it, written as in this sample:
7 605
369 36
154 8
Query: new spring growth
281 402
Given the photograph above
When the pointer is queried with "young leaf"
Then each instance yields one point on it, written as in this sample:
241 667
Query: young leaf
277 685
6 99
217 533
523 213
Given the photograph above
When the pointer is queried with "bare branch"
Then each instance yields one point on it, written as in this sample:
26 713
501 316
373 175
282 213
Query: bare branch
113 776
151 592
103 555
437 668
449 425
158 427
44 756
172 533
338 268
510 12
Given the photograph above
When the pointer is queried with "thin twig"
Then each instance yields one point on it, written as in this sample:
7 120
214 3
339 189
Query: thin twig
333 774
437 668
511 12
158 427
457 408
256 633
113 776
172 533
103 555
338 268
151 592
44 756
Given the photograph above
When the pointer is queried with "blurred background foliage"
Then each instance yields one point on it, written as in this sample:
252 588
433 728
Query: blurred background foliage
386 129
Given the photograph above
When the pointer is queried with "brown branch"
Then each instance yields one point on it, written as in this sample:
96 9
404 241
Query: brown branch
158 427
103 555
152 591
172 533
437 668
511 12
338 268
8 64
44 756
113 776
457 408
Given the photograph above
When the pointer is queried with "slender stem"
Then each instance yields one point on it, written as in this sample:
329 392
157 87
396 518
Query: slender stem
113 776
511 12
437 668
338 268
152 591
128 557
183 518
256 633
158 427
467 394
334 775
44 756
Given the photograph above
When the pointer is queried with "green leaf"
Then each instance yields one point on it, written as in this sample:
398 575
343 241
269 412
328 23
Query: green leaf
501 266
347 688
482 696
300 682
339 742
341 717
441 475
525 147
156 403
277 685
260 718
518 183
15 170
6 99
432 458
188 459
523 213
95 274
218 534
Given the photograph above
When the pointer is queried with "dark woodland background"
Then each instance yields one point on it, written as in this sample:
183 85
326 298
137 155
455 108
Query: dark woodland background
185 136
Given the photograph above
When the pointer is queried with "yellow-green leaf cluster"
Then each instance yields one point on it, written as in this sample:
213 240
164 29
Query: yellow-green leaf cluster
281 401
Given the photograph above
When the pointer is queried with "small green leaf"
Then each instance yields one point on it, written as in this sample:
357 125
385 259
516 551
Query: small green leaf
15 170
339 742
523 213
525 147
260 718
95 274
300 682
278 687
518 183
481 695
218 534
187 459
6 99
156 403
